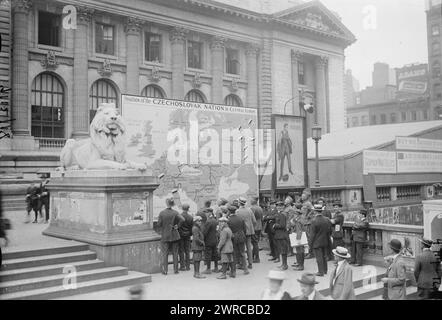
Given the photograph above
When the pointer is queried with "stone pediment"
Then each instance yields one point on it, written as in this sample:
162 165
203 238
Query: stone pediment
316 17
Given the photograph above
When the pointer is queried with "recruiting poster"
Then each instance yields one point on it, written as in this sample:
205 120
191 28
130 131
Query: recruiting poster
199 151
290 151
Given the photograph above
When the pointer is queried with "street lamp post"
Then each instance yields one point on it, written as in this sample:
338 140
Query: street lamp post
316 135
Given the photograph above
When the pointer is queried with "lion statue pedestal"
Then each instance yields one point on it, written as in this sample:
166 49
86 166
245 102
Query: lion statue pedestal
111 210
100 198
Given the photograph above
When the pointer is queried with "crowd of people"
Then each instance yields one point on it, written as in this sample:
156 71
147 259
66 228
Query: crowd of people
228 235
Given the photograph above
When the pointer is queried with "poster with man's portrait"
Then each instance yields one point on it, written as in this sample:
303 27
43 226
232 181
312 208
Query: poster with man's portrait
289 152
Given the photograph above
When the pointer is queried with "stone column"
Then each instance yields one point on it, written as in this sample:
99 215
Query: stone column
133 49
20 94
217 47
177 38
296 57
320 109
252 76
81 89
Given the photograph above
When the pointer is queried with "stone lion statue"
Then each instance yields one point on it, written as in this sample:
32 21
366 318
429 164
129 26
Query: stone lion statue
105 149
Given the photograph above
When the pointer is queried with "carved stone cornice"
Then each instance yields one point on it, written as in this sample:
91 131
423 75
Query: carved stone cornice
217 42
84 14
177 34
21 6
133 25
252 50
296 55
321 61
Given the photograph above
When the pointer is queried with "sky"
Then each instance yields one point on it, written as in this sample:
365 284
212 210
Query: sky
390 31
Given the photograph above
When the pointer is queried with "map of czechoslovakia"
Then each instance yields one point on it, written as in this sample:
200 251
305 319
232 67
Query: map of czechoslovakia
205 151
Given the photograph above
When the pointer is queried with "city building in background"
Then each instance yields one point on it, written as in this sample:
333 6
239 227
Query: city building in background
222 52
434 34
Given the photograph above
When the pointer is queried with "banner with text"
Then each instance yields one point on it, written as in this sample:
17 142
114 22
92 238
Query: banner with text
413 143
413 162
375 161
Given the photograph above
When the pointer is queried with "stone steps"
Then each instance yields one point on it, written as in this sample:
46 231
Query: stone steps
53 272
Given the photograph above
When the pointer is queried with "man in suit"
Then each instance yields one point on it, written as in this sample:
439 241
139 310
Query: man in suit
238 227
289 212
396 274
307 216
169 222
197 246
210 241
359 237
185 231
281 234
298 229
246 214
337 226
319 239
427 271
341 279
257 211
308 282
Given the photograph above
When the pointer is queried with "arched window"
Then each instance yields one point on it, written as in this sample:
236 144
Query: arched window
153 91
233 100
47 102
101 91
195 96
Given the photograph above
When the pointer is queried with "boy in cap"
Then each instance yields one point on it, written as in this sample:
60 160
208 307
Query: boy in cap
396 274
197 246
427 271
225 247
274 291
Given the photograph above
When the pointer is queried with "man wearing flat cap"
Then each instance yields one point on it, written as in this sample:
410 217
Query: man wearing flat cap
359 237
225 247
185 231
307 283
341 279
396 274
427 271
269 221
197 246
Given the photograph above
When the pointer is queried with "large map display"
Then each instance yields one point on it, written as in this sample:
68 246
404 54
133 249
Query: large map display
200 151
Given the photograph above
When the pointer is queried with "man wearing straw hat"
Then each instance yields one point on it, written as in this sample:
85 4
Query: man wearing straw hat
274 291
396 274
427 271
308 282
341 279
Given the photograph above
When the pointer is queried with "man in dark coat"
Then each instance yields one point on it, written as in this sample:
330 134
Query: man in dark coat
427 271
298 229
258 212
359 237
44 198
319 239
238 227
33 202
307 283
169 222
185 231
327 214
210 241
249 218
337 226
281 234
